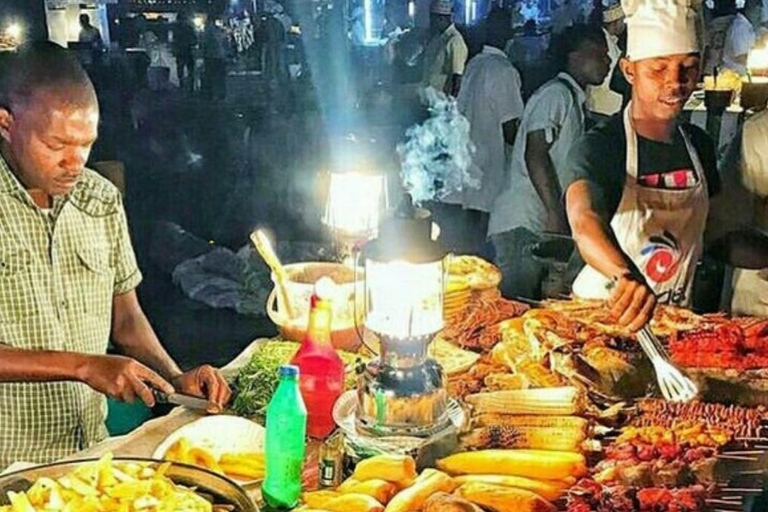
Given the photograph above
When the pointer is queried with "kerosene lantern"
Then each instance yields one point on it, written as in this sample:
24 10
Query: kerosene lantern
402 392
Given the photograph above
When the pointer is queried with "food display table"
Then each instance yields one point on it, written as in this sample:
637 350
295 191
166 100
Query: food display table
560 413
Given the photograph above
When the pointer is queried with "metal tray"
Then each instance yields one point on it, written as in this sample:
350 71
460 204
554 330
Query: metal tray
223 490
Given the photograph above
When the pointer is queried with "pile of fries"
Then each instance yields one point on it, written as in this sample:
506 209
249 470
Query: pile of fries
108 486
242 466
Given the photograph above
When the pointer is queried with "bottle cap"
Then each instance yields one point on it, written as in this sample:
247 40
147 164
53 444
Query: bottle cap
289 370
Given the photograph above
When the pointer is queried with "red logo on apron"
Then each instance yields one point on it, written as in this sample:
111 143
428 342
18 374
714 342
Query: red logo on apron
662 257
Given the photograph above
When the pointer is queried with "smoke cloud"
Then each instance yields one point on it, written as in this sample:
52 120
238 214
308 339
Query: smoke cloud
437 154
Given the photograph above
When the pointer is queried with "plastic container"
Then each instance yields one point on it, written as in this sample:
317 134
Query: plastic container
322 370
300 287
285 446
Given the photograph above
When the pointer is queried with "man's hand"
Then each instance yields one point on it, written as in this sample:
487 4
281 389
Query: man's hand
632 302
122 378
205 381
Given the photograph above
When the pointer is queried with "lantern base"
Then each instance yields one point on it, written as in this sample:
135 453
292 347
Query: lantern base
407 401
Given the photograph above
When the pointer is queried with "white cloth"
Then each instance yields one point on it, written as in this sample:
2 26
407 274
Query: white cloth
660 28
490 96
661 230
728 37
600 98
556 108
750 287
445 56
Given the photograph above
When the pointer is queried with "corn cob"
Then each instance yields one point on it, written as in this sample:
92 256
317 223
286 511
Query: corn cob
510 420
540 464
537 438
503 499
505 381
550 490
562 401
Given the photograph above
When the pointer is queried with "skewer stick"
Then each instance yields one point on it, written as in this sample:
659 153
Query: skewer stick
745 490
736 457
745 452
264 247
712 501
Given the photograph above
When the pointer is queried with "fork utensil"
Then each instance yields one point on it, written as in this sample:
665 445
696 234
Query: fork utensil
674 386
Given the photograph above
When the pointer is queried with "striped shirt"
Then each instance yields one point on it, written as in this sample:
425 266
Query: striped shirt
59 271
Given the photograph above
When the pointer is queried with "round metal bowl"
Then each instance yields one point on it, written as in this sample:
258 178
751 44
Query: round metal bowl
218 488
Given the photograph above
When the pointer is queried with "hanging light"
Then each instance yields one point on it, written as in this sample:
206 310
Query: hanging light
355 203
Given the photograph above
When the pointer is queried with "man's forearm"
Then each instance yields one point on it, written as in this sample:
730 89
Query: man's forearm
135 338
18 365
598 246
544 179
592 233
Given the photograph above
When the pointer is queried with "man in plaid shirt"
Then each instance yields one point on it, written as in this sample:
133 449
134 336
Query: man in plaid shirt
68 273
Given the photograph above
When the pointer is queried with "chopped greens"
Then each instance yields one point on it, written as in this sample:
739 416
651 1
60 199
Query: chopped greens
257 380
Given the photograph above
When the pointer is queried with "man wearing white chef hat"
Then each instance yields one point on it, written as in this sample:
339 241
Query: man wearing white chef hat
638 214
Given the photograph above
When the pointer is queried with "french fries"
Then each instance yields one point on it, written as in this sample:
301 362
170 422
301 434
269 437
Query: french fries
108 486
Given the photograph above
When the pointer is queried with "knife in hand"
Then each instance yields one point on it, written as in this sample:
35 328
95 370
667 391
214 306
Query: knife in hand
190 402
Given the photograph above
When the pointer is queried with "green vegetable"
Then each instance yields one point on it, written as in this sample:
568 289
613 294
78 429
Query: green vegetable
257 380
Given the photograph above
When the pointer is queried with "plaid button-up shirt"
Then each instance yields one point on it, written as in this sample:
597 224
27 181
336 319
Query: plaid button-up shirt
59 271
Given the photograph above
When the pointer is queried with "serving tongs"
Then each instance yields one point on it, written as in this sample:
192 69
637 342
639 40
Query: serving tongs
674 386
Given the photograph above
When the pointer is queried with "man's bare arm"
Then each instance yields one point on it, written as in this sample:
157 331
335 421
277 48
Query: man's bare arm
544 178
632 301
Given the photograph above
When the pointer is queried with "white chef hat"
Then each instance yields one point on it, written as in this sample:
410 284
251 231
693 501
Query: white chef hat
659 28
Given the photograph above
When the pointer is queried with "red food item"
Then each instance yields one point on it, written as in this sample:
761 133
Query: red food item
668 451
652 498
646 452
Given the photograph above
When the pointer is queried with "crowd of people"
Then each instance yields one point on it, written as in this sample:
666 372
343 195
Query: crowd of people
600 154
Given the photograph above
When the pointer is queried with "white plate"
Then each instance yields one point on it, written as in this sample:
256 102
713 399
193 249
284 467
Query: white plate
219 435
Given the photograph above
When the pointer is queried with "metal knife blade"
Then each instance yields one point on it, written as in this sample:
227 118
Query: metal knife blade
190 402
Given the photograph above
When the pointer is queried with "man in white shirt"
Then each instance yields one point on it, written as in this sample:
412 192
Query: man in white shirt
446 54
730 36
601 100
491 100
531 203
89 33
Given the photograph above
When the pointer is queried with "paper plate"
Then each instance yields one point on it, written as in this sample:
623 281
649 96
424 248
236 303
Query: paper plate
219 435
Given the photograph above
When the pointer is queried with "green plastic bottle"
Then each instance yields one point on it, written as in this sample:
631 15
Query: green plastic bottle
286 431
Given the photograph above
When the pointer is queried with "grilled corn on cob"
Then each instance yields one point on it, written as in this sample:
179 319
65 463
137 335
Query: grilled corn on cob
550 490
562 401
543 464
503 499
510 420
538 438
